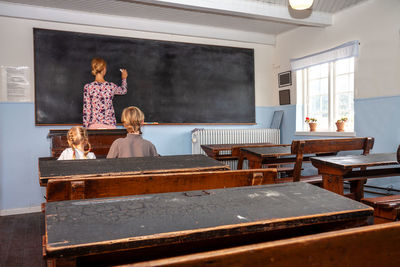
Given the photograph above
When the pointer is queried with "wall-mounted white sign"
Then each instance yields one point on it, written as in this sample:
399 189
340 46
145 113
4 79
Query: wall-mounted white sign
15 84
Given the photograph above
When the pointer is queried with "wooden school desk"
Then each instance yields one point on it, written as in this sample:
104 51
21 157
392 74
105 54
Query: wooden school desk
50 169
336 169
257 156
136 228
100 140
231 151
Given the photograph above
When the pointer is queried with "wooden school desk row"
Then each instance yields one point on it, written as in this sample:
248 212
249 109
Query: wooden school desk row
272 154
81 179
333 170
140 228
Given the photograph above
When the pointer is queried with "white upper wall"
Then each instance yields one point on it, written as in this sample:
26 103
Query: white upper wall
17 47
376 24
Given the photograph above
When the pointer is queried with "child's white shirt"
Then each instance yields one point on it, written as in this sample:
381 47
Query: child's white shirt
68 153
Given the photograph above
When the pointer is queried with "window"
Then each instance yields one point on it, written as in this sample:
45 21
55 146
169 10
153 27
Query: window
325 87
326 92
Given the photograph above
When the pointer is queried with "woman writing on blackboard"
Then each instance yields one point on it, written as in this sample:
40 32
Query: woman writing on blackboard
98 109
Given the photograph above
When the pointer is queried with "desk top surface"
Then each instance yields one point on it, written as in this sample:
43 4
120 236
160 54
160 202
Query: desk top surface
148 220
219 147
357 161
121 166
268 151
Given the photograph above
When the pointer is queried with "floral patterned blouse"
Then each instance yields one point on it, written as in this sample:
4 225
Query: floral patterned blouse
97 102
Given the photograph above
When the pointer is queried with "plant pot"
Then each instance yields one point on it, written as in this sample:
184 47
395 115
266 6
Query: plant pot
313 126
340 126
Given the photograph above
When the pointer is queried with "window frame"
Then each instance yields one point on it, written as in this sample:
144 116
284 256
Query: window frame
303 104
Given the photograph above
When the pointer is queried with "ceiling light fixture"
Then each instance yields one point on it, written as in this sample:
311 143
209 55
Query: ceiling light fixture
301 4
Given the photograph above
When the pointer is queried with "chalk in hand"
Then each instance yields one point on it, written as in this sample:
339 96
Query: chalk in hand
120 70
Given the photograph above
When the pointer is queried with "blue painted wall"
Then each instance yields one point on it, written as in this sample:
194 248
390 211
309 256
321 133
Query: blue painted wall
22 143
379 117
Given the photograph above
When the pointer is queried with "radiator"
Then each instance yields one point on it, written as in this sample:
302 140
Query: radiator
232 136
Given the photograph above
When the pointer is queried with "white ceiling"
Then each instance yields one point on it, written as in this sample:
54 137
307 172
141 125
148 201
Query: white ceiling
268 17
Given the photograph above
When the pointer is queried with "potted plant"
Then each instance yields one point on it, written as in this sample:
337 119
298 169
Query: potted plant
312 122
340 124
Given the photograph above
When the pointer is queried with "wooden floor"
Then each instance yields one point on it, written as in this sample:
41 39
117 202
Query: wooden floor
21 240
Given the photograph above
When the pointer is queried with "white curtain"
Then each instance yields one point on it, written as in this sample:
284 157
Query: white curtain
346 50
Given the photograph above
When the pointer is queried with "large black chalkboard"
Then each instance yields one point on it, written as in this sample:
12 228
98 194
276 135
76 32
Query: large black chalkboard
171 82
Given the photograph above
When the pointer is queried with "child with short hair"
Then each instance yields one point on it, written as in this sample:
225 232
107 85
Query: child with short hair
133 145
78 140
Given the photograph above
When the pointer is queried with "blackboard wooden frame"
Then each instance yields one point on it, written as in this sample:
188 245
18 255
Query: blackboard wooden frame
62 67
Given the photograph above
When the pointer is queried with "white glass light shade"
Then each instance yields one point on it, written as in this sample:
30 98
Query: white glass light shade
301 4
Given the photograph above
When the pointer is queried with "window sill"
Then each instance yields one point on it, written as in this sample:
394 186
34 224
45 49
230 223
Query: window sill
349 134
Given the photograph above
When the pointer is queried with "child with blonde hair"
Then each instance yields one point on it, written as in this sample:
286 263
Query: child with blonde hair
133 145
78 140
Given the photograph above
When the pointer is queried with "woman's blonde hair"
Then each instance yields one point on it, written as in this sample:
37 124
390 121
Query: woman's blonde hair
98 65
78 136
132 118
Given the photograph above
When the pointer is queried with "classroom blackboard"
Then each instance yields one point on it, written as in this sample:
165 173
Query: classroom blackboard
172 82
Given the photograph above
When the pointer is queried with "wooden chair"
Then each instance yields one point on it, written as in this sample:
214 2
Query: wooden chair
376 245
113 186
304 148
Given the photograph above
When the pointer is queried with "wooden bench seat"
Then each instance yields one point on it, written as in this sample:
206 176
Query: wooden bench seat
386 209
376 245
112 186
